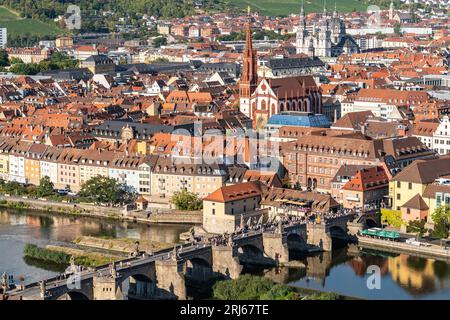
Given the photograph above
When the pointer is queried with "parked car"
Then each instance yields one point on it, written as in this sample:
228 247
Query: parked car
413 241
62 192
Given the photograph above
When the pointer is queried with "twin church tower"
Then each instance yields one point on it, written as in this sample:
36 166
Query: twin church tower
326 39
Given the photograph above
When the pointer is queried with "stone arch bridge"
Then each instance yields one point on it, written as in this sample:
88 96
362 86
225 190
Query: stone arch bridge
168 274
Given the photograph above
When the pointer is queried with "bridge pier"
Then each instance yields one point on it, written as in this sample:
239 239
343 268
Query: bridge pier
275 247
319 236
225 261
170 278
107 288
354 228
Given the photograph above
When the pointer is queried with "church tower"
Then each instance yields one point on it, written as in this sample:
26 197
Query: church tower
302 32
249 79
391 11
323 48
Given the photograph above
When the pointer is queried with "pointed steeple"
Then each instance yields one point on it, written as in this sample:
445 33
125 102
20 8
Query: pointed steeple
302 16
325 8
391 10
249 78
335 13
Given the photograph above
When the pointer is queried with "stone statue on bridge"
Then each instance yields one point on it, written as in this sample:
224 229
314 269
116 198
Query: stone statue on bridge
73 267
175 254
280 226
42 289
4 282
136 248
113 270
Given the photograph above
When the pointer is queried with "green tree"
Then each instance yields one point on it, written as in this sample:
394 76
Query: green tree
15 60
248 287
14 188
45 187
25 69
186 200
441 219
280 292
160 41
323 296
101 189
398 29
4 61
417 227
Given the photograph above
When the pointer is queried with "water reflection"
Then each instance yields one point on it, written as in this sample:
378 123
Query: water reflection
19 227
345 271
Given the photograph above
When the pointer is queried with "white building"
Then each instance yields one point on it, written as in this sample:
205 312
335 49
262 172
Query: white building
441 137
329 40
435 135
17 168
384 103
49 169
3 37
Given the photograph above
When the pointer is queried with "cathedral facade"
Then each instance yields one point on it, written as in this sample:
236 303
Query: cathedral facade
327 39
262 98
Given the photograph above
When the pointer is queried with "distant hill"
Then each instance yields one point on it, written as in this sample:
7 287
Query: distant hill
24 27
287 7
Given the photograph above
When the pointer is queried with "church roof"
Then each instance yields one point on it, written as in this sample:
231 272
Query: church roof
304 62
292 87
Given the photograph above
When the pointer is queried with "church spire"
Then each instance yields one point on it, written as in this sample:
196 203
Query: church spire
302 16
249 78
335 13
325 8
391 10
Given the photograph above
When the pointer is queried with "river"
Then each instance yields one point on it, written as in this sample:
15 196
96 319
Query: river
18 228
343 271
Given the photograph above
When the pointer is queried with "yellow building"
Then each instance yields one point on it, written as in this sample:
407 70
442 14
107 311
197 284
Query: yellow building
32 171
32 163
143 147
4 166
415 178
99 64
63 42
169 177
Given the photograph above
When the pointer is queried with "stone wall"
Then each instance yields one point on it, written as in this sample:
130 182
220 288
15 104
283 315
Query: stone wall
225 261
275 247
318 236
170 278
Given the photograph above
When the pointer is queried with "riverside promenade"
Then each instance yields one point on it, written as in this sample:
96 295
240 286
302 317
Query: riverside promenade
91 210
433 251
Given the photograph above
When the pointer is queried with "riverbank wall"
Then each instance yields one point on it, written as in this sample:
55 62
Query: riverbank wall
433 252
91 210
126 246
60 207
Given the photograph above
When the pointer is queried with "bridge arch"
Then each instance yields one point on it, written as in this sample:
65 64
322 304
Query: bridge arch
371 223
295 237
337 231
139 286
73 295
250 249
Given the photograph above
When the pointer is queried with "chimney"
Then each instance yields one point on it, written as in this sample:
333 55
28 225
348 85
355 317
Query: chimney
364 128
